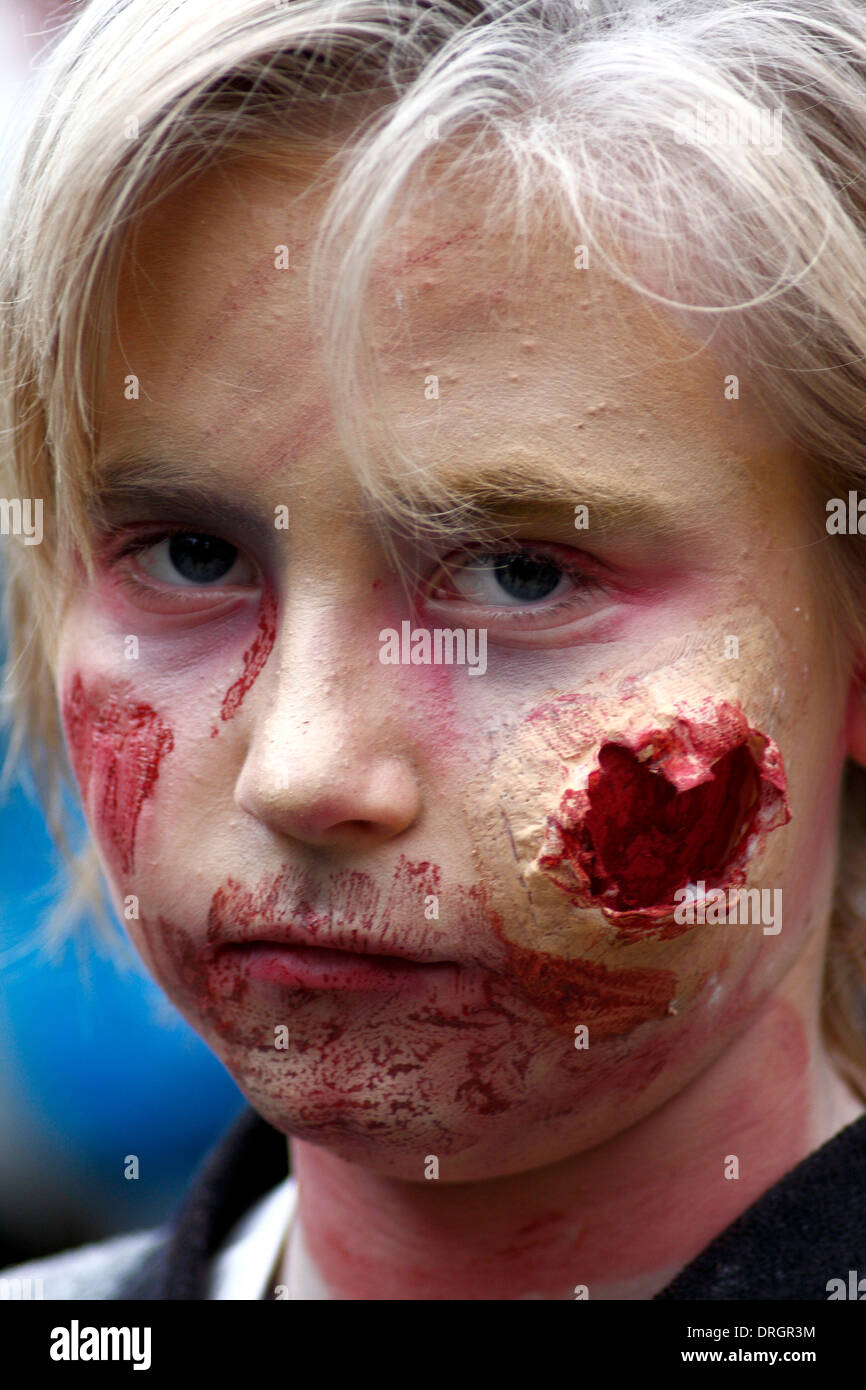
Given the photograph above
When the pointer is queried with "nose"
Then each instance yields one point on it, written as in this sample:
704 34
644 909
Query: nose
326 764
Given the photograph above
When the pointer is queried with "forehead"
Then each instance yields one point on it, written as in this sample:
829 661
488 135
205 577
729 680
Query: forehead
540 354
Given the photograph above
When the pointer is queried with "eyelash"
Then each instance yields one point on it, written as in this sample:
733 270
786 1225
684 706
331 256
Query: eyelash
587 584
115 549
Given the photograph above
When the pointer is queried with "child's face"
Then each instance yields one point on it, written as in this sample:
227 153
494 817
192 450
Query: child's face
252 769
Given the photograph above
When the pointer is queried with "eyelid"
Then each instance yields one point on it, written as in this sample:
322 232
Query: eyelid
567 555
117 541
575 563
127 541
534 621
238 529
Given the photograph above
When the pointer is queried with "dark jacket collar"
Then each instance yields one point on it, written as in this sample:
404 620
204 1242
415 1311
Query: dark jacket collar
808 1228
248 1161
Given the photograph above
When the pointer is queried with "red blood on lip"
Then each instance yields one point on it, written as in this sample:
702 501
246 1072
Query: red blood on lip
116 744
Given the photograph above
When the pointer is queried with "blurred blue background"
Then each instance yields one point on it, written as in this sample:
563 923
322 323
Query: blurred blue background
95 1064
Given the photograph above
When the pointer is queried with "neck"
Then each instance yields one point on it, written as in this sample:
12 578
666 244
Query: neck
621 1219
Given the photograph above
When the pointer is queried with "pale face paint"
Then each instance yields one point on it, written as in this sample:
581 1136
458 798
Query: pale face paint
300 778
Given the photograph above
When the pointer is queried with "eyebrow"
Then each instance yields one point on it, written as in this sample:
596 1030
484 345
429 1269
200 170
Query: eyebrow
150 485
514 490
519 490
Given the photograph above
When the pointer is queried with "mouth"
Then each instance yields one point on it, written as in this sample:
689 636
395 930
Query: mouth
299 966
291 932
321 933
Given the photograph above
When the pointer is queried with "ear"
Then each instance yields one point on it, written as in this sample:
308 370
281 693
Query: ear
855 724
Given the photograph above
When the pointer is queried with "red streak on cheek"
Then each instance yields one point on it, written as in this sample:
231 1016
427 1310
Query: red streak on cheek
673 806
116 745
568 991
254 659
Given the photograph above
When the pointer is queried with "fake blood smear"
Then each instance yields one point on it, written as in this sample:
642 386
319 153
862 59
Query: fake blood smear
674 806
254 659
644 839
610 1002
116 745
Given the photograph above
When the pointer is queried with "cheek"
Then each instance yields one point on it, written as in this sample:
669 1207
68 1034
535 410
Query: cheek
589 826
571 993
117 744
119 740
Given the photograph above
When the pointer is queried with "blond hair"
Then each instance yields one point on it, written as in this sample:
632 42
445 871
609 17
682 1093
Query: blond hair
645 128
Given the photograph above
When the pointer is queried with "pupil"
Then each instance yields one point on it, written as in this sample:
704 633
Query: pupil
524 578
201 558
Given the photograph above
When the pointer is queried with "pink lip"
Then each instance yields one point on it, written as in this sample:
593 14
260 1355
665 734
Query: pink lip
316 967
324 935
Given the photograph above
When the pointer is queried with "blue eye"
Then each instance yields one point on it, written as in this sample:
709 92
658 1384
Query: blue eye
526 579
512 578
188 559
201 559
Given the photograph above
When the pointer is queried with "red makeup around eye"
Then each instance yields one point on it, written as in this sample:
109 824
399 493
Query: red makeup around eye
116 745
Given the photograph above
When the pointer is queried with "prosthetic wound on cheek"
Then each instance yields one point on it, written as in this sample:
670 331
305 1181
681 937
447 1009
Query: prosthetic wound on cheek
600 811
662 808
